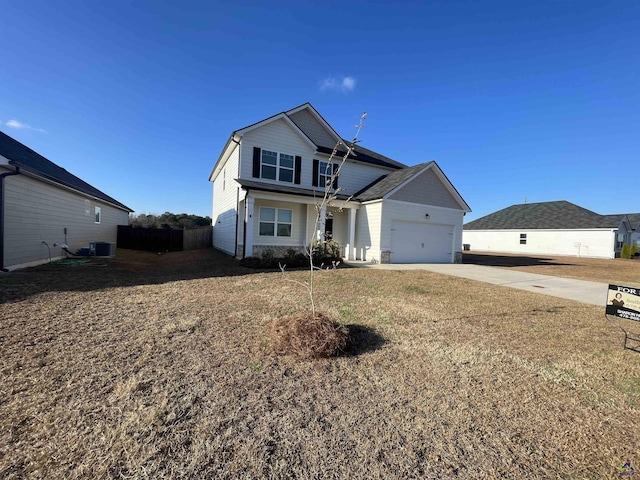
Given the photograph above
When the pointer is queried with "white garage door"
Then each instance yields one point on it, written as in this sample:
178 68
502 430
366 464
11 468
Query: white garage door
414 242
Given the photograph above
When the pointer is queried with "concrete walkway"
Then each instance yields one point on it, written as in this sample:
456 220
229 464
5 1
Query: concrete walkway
593 293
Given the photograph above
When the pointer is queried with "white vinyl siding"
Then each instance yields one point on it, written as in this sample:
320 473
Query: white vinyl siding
367 239
37 212
355 176
225 201
583 243
279 137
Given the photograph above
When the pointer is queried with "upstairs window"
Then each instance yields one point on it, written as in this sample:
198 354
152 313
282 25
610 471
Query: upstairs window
276 166
285 174
98 213
523 239
323 172
269 165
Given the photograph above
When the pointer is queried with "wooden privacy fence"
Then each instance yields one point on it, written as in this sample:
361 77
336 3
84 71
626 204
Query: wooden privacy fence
163 239
196 238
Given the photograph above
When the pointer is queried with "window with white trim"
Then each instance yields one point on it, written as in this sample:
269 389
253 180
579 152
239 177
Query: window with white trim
274 166
523 239
275 222
325 171
98 213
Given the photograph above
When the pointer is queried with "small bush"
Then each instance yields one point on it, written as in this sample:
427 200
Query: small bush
626 251
307 337
295 259
268 259
326 252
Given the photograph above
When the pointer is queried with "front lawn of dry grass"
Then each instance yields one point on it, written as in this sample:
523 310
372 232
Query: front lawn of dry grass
160 367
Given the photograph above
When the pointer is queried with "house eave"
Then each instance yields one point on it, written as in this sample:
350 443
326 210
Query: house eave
234 139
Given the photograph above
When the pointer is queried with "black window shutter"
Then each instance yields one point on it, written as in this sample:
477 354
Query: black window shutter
314 179
335 176
298 168
256 162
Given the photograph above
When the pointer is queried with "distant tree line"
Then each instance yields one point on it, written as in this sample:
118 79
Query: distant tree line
168 220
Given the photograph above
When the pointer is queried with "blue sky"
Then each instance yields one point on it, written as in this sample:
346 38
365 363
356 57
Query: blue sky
515 100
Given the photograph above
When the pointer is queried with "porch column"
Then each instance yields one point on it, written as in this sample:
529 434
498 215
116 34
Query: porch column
248 225
321 222
309 234
350 248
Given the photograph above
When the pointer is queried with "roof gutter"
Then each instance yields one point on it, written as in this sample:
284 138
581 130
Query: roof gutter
2 177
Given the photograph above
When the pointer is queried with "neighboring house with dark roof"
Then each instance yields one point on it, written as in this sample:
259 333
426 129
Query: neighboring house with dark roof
43 206
270 176
552 228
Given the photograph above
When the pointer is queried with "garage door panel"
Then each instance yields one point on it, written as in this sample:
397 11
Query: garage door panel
414 242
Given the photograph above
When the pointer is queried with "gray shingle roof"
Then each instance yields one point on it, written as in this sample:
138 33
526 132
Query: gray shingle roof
22 156
559 215
634 219
383 185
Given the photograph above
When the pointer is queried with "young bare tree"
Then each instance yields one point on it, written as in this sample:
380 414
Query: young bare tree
329 196
316 335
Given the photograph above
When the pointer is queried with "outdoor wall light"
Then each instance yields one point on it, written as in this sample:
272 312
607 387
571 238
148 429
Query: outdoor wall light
426 215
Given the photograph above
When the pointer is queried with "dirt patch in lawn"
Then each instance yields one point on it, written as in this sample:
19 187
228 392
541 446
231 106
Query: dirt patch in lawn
160 367
618 271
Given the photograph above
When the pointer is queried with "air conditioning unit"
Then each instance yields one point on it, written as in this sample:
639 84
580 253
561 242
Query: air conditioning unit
103 249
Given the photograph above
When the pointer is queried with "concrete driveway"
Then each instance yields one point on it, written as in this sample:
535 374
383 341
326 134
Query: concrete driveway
593 293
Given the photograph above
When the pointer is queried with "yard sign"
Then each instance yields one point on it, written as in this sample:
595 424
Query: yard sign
624 302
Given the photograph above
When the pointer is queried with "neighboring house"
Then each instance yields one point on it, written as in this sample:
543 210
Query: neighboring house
270 176
552 228
43 206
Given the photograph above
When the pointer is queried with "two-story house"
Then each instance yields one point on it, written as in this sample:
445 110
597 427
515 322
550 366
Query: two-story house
270 177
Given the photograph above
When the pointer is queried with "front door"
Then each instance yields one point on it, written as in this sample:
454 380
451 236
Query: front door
328 229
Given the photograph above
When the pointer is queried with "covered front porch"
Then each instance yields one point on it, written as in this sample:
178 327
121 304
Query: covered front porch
279 223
